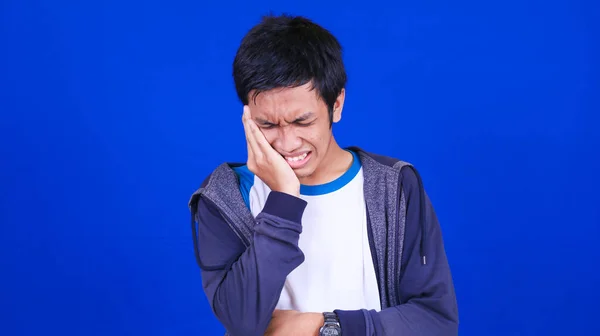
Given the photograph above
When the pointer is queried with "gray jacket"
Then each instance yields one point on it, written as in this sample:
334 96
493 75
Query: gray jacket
244 261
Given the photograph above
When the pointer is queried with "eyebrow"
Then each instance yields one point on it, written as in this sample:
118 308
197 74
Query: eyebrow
302 117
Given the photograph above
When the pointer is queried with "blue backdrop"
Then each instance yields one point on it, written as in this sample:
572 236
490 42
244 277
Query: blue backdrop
112 113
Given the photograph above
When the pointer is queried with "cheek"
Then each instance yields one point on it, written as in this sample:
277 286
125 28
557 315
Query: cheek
316 137
270 135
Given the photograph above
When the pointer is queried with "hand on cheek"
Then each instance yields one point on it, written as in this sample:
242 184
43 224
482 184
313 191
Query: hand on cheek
265 162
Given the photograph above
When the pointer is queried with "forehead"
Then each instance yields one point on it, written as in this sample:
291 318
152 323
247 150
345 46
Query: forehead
286 102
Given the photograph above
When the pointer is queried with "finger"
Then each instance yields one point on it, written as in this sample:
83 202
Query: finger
255 137
253 148
245 123
245 117
249 149
259 139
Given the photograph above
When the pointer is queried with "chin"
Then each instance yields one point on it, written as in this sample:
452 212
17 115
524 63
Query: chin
303 173
306 171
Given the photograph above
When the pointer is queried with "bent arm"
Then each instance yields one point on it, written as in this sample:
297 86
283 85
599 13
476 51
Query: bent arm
427 299
243 285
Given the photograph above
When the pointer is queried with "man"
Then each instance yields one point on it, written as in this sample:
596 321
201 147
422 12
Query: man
306 237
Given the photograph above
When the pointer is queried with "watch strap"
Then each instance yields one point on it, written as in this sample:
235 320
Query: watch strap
330 317
331 325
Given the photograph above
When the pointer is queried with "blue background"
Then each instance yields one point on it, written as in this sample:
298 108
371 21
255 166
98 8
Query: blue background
112 113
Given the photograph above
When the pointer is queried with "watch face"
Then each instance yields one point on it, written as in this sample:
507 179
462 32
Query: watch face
330 331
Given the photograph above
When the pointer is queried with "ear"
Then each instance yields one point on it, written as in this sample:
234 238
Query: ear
338 106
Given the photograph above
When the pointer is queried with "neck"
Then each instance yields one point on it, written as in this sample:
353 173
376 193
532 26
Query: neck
333 165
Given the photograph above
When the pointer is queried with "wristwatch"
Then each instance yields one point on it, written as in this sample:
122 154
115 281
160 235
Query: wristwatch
331 327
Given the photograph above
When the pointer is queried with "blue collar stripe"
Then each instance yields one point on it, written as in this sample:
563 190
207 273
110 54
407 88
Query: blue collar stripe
340 182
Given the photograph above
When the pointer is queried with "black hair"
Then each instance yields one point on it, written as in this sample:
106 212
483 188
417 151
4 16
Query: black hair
289 51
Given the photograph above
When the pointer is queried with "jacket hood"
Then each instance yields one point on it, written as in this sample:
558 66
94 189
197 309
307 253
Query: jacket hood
222 188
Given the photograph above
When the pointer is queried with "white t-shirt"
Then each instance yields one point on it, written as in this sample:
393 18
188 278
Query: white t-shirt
338 271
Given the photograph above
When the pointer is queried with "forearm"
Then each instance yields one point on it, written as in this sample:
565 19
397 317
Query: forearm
428 307
250 290
244 292
409 319
426 292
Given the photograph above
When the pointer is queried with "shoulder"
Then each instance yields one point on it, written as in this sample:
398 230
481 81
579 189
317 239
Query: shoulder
410 179
226 174
379 159
221 180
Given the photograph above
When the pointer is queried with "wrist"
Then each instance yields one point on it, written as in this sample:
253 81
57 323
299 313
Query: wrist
317 322
330 325
286 206
293 190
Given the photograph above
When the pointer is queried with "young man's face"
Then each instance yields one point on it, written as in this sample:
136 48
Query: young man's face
295 121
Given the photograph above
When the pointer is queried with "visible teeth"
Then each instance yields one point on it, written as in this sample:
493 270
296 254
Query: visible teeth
296 158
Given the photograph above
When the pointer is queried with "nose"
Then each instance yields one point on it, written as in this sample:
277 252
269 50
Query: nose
287 140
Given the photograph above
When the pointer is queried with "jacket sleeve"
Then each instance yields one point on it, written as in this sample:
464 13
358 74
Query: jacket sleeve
427 299
242 284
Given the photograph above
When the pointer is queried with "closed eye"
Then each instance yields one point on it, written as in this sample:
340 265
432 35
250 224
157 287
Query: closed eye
267 125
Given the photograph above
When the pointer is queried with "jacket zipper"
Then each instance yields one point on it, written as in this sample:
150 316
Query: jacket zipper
373 251
397 262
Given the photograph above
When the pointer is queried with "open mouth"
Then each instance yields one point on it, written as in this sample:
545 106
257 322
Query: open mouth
298 161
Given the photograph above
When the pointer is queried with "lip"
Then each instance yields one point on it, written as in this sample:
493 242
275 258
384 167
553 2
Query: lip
301 163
